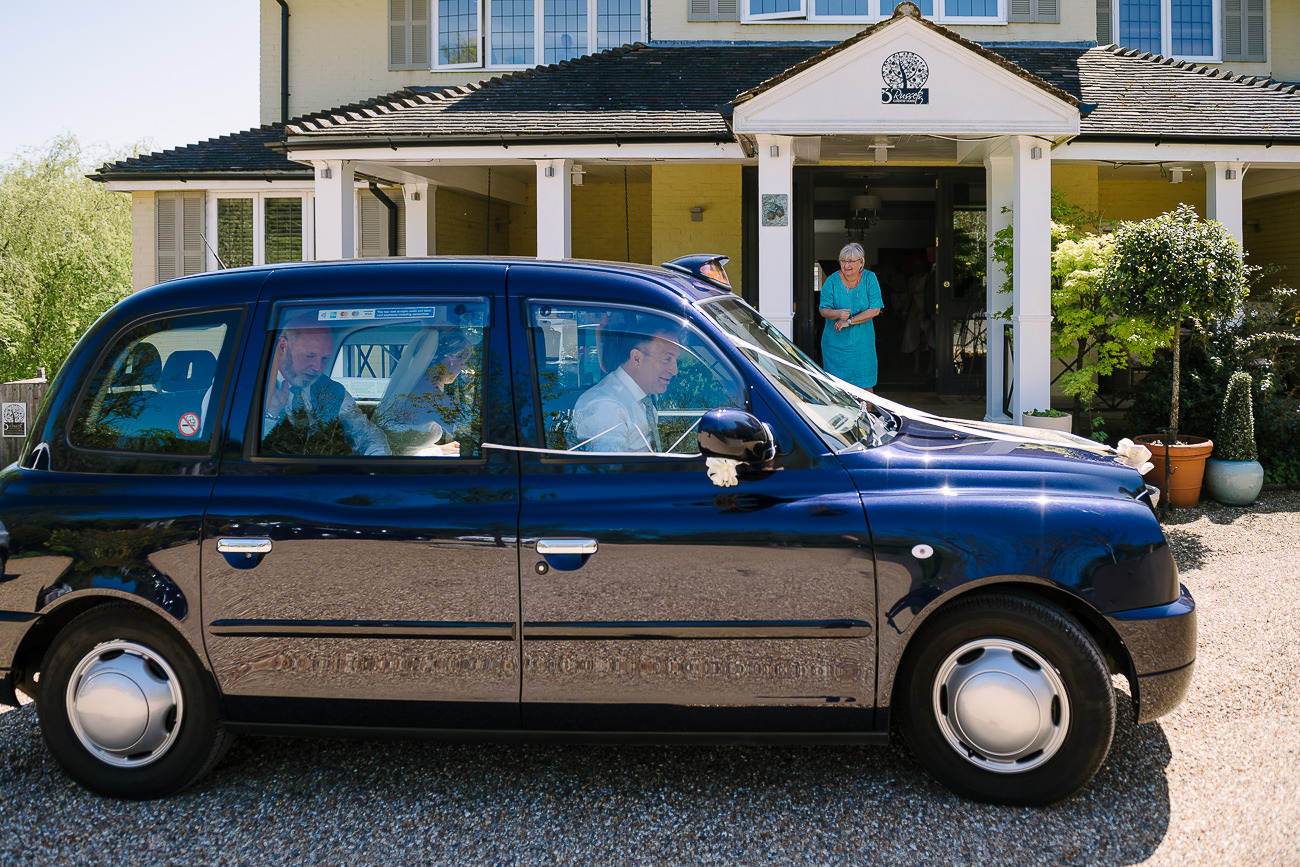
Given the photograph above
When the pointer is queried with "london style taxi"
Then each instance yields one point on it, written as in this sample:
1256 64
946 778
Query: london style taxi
512 497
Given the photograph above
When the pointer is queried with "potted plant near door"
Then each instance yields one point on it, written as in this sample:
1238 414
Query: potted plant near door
1048 419
1168 269
1233 475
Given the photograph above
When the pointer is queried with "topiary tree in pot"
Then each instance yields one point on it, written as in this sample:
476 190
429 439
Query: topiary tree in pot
1168 269
1233 476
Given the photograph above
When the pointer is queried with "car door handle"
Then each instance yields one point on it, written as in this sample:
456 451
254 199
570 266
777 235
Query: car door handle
566 546
244 546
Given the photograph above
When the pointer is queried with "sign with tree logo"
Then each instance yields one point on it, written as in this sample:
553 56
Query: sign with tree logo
15 419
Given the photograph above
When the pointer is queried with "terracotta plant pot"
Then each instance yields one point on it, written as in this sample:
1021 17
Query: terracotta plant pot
1188 462
1062 422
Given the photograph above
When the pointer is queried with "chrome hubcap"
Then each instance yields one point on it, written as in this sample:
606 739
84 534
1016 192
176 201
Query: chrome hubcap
1001 705
125 704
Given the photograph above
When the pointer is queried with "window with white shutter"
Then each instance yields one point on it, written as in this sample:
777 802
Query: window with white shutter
1034 11
1104 31
1245 37
179 236
713 10
408 34
373 224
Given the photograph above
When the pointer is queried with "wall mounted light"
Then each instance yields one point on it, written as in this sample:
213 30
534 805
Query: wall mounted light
326 174
1035 153
415 195
1229 174
697 214
548 172
774 151
1176 174
577 173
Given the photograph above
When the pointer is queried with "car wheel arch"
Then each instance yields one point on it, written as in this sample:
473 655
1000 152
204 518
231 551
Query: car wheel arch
38 640
1117 657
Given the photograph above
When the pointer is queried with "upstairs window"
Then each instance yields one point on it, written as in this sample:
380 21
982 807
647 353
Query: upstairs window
1204 30
944 11
507 33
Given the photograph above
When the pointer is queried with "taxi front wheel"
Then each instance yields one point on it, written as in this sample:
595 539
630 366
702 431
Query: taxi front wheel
125 707
1006 699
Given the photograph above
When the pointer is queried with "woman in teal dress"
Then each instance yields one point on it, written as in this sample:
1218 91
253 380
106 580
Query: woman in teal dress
850 300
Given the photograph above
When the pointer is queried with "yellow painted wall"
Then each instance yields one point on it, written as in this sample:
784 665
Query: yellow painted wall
603 229
462 225
1284 31
1078 186
677 189
1271 235
144 229
1130 199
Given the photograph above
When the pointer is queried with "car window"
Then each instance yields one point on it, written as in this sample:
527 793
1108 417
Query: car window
158 389
397 380
615 379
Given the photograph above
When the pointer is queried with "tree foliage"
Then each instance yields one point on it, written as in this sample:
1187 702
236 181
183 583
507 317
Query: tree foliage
65 256
1171 268
1088 332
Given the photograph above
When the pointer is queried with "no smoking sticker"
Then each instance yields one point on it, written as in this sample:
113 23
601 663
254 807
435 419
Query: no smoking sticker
189 424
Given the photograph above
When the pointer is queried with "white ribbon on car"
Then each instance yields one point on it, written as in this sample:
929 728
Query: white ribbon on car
1135 455
722 471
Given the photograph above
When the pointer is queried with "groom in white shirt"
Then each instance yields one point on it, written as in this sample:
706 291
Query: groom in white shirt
618 413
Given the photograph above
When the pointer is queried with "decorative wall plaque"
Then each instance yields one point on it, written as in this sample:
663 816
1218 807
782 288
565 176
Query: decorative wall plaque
775 209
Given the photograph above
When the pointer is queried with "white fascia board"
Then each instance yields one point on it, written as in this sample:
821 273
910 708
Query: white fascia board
969 95
1150 152
167 185
482 155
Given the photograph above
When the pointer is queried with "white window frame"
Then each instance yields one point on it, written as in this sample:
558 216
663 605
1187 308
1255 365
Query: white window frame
485 33
1166 31
259 222
878 10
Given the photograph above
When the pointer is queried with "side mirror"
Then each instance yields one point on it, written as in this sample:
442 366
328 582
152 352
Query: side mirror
735 434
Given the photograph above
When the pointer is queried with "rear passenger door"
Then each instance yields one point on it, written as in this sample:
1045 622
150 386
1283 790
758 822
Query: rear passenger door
361 568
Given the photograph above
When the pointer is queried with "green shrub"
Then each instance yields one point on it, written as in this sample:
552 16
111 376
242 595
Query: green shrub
1234 438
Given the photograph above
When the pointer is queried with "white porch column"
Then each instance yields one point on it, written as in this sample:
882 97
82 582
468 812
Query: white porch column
776 230
1223 196
418 223
998 194
554 209
1032 217
335 210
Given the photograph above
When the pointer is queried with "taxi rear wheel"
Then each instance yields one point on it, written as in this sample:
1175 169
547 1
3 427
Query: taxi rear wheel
1007 699
125 707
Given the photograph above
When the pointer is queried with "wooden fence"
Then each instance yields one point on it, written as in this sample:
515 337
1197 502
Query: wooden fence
20 400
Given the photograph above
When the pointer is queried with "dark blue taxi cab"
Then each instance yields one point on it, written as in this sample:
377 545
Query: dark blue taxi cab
487 498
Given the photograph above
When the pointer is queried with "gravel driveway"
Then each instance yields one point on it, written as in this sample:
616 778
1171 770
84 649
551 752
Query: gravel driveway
1217 782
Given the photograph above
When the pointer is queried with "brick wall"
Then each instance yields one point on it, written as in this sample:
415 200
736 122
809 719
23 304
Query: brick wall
1271 235
677 189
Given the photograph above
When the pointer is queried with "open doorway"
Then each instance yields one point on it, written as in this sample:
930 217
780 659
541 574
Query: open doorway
922 231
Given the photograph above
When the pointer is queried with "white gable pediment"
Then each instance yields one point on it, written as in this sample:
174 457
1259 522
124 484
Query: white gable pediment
907 78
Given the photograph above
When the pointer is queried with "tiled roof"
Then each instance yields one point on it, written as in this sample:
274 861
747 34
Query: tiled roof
1145 96
239 155
635 92
683 93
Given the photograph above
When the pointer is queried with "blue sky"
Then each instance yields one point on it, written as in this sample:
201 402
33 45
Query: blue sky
113 73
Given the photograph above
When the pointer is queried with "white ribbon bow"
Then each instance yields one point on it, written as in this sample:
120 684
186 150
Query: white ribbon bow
722 471
1135 455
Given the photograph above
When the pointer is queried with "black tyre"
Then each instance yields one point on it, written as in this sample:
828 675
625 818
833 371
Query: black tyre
126 708
1006 699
